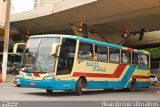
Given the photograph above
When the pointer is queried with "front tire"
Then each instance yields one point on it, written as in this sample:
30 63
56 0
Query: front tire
49 91
79 86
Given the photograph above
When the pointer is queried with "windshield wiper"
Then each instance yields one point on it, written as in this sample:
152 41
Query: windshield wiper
35 57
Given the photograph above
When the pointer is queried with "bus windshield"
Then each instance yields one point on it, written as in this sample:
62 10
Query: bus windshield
37 55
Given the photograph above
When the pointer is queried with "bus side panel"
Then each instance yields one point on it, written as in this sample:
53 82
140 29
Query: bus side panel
141 75
104 75
115 84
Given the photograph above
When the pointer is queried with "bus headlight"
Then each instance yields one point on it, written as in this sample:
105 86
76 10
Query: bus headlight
48 78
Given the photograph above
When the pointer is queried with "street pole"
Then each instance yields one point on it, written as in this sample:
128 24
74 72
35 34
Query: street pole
6 40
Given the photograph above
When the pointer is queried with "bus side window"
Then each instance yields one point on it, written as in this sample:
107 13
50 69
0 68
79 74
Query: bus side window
145 59
135 58
102 53
114 55
85 50
125 57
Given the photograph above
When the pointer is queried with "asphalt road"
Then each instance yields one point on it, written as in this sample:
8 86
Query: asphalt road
10 92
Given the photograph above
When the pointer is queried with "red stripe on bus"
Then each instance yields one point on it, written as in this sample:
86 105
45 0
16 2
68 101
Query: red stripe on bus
140 77
117 73
131 49
36 74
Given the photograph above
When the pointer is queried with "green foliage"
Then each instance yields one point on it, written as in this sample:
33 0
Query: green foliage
154 52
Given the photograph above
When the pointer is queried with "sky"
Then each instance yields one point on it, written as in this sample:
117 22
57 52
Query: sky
22 5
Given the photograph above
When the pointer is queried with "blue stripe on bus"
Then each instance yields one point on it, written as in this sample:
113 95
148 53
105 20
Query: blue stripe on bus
139 51
128 75
48 84
143 68
100 43
29 74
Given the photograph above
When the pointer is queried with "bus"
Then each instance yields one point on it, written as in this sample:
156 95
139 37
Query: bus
13 60
71 63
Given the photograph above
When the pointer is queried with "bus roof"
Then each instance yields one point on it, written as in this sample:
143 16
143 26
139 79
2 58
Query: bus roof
91 41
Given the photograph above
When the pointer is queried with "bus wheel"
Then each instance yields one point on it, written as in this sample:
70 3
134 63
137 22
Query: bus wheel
133 85
49 91
79 86
18 85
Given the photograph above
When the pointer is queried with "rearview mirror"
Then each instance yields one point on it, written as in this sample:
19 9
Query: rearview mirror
16 46
54 47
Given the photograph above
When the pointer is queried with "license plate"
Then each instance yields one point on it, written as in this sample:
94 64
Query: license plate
32 84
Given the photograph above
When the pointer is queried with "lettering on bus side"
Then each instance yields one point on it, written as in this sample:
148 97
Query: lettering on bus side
96 66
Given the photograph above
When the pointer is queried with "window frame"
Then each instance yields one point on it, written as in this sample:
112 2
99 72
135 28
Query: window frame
91 57
138 58
130 56
107 48
58 58
119 56
148 59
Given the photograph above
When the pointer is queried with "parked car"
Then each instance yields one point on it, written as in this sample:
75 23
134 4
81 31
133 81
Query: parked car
16 81
153 80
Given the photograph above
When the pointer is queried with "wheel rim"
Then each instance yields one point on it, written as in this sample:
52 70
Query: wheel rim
80 86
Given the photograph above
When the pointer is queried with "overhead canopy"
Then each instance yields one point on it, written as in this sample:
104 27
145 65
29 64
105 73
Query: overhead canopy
11 33
107 17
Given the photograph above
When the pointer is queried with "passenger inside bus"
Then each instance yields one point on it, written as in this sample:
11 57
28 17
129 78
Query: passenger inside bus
85 51
66 57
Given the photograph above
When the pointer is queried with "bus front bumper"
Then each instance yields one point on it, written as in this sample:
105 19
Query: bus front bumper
48 84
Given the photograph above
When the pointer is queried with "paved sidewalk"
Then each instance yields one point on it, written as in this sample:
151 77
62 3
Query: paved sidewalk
9 78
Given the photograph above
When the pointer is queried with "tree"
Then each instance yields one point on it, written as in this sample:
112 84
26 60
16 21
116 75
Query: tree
154 52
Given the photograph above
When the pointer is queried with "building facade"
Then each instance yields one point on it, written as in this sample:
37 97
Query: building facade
13 31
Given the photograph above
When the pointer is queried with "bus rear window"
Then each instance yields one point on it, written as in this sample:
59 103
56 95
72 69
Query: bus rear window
145 59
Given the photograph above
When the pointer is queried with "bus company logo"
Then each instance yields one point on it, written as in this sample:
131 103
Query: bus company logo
96 66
